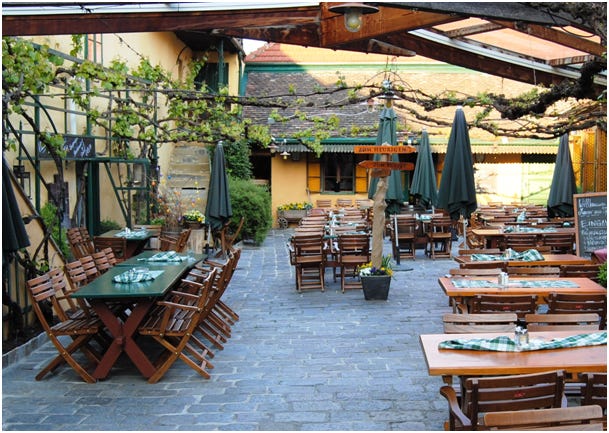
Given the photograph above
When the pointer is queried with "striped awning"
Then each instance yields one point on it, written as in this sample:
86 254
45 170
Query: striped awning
546 147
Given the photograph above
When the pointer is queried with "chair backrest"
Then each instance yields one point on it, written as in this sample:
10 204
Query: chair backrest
91 271
311 245
76 274
118 245
354 244
519 241
533 271
519 304
403 225
475 272
344 202
574 418
562 322
182 240
514 392
580 271
594 389
559 242
323 203
440 224
80 242
559 303
101 261
476 323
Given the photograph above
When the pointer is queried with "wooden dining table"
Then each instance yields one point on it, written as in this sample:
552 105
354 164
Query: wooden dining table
492 237
548 260
456 362
104 295
136 240
540 286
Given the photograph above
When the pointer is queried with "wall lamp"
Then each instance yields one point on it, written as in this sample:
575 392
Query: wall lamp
285 154
353 14
24 179
273 149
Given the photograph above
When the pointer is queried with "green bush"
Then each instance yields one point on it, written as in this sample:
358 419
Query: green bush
253 202
602 274
107 225
48 212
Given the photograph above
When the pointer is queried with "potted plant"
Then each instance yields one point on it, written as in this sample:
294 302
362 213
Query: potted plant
194 219
376 280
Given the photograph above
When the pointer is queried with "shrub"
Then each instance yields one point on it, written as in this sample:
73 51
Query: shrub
602 274
253 202
48 212
107 225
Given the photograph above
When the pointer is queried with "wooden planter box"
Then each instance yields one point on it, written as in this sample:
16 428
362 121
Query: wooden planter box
285 217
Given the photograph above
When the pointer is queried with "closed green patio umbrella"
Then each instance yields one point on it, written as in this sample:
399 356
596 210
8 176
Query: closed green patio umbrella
457 194
14 234
424 185
387 136
218 210
560 199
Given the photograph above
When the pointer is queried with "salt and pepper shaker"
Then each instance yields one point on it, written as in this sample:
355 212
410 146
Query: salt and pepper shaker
521 335
503 280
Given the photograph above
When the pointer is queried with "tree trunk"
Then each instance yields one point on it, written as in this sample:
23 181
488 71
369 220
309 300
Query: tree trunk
378 221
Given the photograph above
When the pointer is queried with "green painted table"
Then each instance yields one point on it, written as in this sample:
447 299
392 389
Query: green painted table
104 295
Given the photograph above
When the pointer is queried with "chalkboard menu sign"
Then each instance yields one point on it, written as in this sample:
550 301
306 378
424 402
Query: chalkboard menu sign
75 146
591 222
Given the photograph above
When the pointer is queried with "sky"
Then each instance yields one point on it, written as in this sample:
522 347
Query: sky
251 45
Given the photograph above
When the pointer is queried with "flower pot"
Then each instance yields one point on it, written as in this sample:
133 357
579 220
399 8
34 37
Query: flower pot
194 225
376 287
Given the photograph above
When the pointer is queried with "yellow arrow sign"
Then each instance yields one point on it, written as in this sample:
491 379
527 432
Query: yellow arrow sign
384 149
387 165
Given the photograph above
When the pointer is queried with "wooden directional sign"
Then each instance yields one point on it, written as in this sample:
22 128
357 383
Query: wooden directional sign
388 149
379 172
387 165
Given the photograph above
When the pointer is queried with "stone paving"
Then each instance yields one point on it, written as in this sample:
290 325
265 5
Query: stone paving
310 361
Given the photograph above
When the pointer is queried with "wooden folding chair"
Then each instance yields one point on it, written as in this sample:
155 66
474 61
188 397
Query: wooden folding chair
594 392
81 331
309 257
503 393
559 243
118 245
172 325
403 233
439 237
353 251
567 303
580 271
520 241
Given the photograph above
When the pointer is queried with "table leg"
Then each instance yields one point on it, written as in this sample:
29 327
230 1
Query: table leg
122 334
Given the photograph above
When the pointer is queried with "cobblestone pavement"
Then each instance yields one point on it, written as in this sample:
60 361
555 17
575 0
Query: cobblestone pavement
310 361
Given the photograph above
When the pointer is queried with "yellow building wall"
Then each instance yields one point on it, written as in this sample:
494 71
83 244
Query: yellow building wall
164 49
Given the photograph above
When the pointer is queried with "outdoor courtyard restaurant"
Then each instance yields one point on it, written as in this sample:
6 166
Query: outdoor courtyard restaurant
304 216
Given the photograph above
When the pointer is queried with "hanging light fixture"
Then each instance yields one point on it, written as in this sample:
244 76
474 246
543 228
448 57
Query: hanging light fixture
353 14
285 154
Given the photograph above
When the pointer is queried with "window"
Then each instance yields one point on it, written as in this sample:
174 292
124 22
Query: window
94 50
210 76
337 173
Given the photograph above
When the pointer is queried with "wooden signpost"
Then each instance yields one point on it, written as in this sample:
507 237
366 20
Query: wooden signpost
383 168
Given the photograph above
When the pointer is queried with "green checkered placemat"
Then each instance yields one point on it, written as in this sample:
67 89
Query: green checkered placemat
510 229
165 256
133 234
531 255
468 284
132 276
507 344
